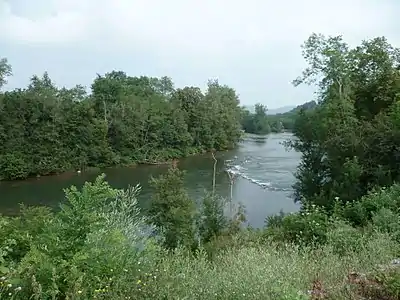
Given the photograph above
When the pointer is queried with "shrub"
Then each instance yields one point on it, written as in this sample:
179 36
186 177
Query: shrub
308 226
89 249
344 238
360 212
172 211
385 220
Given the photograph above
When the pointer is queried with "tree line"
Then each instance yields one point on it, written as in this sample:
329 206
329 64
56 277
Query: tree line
261 123
124 120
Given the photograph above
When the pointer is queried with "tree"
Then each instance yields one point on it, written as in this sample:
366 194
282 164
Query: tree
256 123
172 210
126 120
5 71
349 141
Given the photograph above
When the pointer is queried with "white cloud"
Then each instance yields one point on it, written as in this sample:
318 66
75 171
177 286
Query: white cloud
209 26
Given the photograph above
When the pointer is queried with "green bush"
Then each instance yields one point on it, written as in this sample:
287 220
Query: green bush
308 226
344 238
89 248
360 212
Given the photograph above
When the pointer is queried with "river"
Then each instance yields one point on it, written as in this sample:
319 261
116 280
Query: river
264 170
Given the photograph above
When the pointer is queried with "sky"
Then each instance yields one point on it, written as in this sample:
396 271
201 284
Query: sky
252 46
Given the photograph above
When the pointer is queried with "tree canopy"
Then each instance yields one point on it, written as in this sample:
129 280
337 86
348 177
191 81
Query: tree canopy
45 129
351 141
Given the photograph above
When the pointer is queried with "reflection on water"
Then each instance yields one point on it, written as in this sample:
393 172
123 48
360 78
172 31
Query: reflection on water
263 167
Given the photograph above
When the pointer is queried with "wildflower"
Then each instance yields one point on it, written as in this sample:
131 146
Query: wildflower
18 289
9 285
3 278
336 198
139 281
125 270
79 292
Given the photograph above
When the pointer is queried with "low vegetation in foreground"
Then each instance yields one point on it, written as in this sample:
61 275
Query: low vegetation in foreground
99 246
343 244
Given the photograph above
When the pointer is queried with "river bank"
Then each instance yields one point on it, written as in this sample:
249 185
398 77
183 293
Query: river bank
132 164
263 183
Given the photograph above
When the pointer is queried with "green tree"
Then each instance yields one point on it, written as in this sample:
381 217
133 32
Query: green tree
125 120
5 71
348 141
256 123
172 211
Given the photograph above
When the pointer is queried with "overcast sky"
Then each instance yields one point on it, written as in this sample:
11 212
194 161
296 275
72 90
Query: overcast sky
252 45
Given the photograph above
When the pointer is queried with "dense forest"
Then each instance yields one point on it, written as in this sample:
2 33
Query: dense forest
260 122
125 120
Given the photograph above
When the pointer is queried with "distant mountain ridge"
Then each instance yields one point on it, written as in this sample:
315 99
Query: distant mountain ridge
280 110
284 109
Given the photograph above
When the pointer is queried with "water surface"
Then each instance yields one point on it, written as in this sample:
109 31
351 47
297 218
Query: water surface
263 168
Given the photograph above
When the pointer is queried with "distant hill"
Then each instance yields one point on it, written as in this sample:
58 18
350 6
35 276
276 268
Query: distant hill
306 106
288 119
280 110
284 109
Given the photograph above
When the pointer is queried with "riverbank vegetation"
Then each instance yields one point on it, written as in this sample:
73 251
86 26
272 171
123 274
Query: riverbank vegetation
125 120
260 122
341 245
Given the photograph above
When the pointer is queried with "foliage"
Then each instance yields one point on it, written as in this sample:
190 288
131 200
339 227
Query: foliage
172 211
349 141
264 271
84 251
125 120
256 123
261 123
5 71
98 246
211 218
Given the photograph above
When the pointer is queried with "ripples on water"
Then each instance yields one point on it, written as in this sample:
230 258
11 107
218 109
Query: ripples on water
263 168
264 161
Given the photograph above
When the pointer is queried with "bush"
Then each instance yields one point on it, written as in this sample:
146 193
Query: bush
360 212
344 238
308 226
89 249
385 220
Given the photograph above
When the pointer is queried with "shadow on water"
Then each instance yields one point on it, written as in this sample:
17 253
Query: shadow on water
264 185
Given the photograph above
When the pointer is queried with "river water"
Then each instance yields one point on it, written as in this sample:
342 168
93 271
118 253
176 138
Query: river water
263 167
